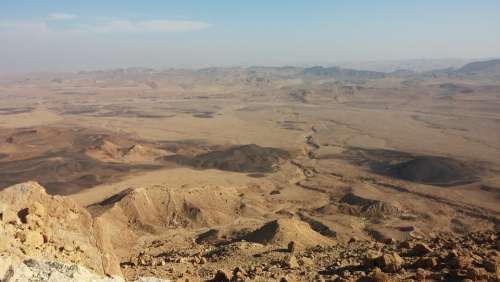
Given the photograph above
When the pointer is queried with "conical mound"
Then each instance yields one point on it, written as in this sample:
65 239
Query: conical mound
280 232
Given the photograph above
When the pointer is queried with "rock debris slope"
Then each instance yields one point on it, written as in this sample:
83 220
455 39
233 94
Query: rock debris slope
192 234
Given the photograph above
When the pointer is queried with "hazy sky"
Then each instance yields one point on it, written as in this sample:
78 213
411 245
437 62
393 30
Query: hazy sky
73 35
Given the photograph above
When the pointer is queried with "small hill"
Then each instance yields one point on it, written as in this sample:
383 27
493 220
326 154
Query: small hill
246 158
357 205
142 154
425 169
431 170
280 232
107 151
153 209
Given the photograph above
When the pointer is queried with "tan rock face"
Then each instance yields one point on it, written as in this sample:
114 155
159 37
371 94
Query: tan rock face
292 262
31 238
9 216
40 270
37 209
4 244
52 227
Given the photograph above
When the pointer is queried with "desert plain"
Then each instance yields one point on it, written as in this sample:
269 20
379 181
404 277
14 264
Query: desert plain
200 174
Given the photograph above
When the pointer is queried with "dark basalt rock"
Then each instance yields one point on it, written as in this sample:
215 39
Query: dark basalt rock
434 171
246 158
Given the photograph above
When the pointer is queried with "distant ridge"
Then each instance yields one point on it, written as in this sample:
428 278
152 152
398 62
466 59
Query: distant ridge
342 73
490 66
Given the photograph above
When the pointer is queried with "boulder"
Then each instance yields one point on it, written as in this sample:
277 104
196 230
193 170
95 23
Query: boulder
421 249
222 276
353 240
390 262
375 276
405 245
492 266
426 262
421 274
305 261
460 262
370 258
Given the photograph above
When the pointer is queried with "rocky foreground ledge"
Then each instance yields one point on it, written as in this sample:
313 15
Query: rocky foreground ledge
39 270
50 238
445 257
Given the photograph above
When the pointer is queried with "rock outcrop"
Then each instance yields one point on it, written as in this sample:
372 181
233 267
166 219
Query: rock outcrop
40 270
37 225
52 271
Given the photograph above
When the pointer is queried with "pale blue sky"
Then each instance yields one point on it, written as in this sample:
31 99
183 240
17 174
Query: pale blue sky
73 35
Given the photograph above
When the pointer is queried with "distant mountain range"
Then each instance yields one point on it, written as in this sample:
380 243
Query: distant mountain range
486 69
489 69
491 66
342 73
415 65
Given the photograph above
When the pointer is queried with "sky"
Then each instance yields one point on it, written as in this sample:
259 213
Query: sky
62 35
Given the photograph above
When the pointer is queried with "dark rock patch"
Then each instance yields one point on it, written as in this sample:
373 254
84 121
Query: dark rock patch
257 175
319 71
247 158
456 88
64 172
431 170
13 111
438 171
299 95
203 115
359 206
209 236
115 198
318 226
